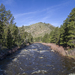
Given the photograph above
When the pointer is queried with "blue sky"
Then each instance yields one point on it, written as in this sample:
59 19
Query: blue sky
27 12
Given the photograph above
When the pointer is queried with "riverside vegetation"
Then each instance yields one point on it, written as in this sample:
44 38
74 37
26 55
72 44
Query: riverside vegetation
10 35
36 58
63 36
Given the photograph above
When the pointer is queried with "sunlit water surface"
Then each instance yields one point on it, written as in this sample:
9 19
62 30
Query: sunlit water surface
36 59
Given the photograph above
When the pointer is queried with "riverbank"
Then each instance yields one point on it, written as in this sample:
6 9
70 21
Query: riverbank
36 59
61 50
7 52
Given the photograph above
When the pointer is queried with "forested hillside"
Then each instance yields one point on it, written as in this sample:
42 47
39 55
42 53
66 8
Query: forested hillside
65 35
10 35
39 29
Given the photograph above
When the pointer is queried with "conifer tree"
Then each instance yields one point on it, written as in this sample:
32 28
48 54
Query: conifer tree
71 27
1 32
9 39
67 31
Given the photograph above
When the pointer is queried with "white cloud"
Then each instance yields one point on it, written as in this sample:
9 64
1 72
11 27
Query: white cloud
47 10
23 14
34 16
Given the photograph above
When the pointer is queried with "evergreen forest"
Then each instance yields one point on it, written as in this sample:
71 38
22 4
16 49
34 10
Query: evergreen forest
63 35
10 35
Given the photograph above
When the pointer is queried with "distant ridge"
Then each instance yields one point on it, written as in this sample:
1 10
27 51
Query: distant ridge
39 29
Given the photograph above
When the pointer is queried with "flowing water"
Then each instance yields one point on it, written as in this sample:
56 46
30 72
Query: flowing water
37 59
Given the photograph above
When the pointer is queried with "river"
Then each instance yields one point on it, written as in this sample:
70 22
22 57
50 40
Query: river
37 59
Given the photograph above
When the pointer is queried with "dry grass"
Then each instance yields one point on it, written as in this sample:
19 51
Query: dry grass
57 48
61 50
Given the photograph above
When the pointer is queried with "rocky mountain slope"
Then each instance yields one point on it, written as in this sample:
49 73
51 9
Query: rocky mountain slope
39 29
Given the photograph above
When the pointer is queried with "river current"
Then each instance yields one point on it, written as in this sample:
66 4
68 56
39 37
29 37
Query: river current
37 59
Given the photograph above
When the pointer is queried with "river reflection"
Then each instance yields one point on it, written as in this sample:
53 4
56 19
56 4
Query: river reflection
36 59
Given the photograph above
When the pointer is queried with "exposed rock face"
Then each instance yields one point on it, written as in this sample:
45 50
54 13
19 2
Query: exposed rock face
38 29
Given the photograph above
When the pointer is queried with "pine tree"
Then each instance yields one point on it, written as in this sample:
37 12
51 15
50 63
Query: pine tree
52 37
14 32
5 16
64 33
56 33
9 39
1 32
67 31
71 27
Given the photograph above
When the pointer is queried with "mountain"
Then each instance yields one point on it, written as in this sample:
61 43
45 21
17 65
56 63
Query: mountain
39 29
